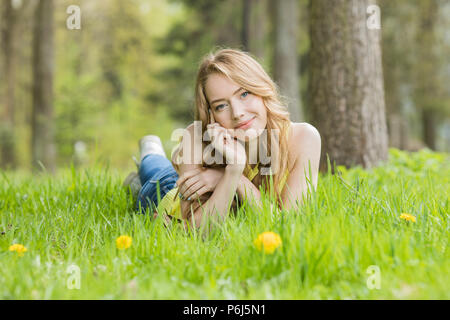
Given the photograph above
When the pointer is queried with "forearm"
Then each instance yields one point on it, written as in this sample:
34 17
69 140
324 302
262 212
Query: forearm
217 207
247 190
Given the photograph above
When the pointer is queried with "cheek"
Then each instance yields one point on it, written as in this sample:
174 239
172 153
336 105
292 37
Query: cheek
223 121
260 109
263 114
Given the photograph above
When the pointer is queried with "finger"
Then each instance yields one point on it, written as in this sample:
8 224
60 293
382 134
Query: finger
218 142
215 126
227 137
194 205
191 190
208 157
199 193
227 132
188 184
187 175
189 207
214 131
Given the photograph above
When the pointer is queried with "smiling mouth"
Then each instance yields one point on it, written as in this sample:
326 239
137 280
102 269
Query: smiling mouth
246 124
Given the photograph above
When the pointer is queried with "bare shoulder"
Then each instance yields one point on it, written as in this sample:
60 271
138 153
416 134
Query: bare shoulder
304 130
304 139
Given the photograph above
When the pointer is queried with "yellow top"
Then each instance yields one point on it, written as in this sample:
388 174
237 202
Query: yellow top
170 203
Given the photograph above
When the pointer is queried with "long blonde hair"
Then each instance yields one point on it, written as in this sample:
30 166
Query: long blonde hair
245 71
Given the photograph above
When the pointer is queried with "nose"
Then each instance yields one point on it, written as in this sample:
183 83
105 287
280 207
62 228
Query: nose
237 110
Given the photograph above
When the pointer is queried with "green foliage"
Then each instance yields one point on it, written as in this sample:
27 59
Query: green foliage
414 55
131 69
204 26
349 224
106 77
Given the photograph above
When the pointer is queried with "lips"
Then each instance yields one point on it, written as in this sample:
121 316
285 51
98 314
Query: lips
246 124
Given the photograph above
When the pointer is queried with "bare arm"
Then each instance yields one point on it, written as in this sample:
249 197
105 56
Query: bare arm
183 161
218 205
300 181
247 190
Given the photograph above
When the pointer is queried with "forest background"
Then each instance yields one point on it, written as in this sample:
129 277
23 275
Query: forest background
129 70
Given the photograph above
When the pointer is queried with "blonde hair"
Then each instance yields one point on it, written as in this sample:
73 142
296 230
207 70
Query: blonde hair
244 70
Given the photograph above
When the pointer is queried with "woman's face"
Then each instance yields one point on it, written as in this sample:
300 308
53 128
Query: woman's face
235 108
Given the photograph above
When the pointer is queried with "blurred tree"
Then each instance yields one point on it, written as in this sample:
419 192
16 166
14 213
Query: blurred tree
254 26
414 60
396 63
43 147
245 31
108 116
303 57
205 26
258 23
286 61
426 72
23 89
346 84
7 121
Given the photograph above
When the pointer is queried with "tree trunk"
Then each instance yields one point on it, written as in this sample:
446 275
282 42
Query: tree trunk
427 70
394 67
396 118
398 131
43 147
286 60
246 9
257 27
7 135
429 128
346 84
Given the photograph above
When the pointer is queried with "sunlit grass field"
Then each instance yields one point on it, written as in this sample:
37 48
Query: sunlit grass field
328 246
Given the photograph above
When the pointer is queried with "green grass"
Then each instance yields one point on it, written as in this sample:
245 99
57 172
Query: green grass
351 223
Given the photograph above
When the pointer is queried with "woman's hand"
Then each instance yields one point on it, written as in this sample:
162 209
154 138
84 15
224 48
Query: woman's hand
224 143
195 183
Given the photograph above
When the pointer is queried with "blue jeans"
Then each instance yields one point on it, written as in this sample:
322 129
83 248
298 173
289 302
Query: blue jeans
158 177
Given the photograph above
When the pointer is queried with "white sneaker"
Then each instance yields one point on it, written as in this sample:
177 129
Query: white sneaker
132 184
150 144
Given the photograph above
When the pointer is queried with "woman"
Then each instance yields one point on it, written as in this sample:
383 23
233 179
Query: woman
236 104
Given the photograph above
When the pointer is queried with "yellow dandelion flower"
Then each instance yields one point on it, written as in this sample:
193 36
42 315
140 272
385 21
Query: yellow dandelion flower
267 241
123 242
408 217
20 249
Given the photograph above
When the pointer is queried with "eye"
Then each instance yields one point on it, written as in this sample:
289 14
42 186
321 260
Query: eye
245 94
217 108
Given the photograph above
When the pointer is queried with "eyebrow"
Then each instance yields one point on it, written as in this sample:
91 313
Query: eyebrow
217 100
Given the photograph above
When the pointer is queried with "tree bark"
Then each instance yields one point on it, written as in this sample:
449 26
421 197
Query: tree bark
429 128
426 77
246 9
7 135
286 60
346 84
398 131
395 66
257 27
43 146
